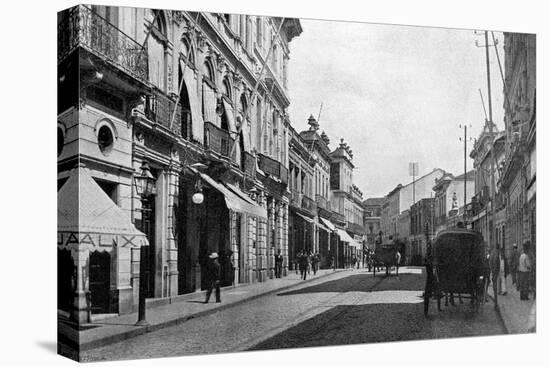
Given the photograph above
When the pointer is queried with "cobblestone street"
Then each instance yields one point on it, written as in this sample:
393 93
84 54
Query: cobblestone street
343 308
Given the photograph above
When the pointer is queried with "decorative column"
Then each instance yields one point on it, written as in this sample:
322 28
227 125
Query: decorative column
172 227
261 245
271 229
285 234
81 311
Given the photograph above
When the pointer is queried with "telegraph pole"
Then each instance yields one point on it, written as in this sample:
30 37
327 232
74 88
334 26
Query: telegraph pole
492 236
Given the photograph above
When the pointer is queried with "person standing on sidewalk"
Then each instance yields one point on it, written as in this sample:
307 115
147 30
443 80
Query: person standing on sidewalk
278 264
503 273
213 273
514 262
303 263
524 268
315 263
494 262
397 261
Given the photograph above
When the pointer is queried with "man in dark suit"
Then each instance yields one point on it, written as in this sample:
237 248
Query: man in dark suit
213 273
278 264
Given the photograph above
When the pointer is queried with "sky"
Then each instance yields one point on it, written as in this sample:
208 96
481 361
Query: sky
396 94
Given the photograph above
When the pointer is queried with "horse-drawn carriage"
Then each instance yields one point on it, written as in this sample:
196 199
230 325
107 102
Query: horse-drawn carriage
456 266
385 256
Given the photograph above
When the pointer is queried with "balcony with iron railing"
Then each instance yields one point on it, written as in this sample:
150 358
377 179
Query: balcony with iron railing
322 202
81 27
308 204
217 140
273 168
355 228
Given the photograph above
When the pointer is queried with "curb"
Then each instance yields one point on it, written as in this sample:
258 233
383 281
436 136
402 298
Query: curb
179 320
502 318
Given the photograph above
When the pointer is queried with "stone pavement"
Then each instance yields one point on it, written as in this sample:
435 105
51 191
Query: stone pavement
168 312
515 313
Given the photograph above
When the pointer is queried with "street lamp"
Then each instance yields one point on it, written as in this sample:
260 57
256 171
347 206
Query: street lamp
145 187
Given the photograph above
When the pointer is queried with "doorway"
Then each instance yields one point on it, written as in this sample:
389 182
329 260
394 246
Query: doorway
100 280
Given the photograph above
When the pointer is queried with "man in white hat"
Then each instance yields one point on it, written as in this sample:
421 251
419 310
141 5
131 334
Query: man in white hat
213 273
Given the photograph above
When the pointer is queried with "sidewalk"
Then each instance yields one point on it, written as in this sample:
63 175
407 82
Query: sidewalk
168 312
514 312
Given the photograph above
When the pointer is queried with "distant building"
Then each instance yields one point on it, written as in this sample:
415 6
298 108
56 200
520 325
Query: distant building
373 211
422 226
403 197
346 202
449 191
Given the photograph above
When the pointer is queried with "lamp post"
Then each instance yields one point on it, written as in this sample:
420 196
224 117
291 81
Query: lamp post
144 182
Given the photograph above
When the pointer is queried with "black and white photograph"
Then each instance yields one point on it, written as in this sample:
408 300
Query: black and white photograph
231 182
234 182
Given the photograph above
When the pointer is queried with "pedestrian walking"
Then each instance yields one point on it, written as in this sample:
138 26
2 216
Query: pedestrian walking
486 273
278 264
309 258
514 263
315 263
303 264
524 268
494 262
397 261
353 261
503 273
213 273
332 263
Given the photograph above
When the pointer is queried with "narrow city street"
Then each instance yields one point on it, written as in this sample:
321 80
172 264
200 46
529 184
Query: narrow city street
344 308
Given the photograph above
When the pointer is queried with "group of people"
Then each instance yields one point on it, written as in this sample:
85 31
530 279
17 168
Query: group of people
520 267
307 262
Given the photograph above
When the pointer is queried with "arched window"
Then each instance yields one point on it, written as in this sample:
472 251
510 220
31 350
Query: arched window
157 46
187 53
209 101
226 88
275 59
259 32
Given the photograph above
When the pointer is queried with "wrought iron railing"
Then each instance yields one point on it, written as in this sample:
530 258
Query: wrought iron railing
272 167
159 108
308 204
296 199
217 140
355 228
249 164
82 27
322 202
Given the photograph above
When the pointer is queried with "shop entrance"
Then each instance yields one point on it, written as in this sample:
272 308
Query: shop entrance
100 277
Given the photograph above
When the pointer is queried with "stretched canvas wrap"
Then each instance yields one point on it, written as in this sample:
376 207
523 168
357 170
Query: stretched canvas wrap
232 182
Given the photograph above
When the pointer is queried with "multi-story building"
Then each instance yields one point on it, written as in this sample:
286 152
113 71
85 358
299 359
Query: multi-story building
449 197
488 144
346 203
422 229
402 198
303 208
372 213
170 94
318 145
518 178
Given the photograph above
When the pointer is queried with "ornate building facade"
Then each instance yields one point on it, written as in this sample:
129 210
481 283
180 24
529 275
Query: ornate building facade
182 94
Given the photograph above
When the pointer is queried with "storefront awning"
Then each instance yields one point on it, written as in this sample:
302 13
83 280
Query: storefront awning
328 223
344 236
323 227
309 220
234 201
87 217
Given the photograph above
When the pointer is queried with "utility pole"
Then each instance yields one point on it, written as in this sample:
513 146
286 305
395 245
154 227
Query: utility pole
465 171
492 226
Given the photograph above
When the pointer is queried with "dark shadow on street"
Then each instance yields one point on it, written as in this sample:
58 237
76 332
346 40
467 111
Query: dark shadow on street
364 282
383 322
